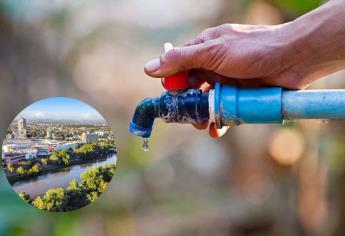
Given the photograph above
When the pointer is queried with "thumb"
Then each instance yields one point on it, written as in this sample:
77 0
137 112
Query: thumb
176 60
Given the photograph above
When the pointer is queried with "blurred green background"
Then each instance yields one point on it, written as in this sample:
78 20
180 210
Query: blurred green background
257 180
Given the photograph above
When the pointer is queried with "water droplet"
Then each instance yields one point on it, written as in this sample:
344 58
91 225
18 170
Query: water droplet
145 144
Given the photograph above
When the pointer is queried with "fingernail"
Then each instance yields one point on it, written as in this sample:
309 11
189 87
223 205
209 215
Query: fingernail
153 65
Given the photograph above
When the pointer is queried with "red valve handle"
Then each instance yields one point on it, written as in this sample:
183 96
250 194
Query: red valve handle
176 82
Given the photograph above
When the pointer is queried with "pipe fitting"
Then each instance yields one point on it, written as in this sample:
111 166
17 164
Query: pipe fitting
234 106
190 106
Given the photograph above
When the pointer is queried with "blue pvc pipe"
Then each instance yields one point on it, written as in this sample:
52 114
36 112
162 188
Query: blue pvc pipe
234 106
313 104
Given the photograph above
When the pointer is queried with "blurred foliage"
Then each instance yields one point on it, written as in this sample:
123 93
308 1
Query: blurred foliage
296 8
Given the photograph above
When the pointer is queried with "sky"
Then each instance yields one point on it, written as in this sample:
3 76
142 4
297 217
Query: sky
61 108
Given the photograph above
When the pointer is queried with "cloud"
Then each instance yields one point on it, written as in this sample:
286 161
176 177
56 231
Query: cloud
59 115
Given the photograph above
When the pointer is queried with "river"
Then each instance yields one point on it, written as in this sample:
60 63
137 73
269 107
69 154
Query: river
40 184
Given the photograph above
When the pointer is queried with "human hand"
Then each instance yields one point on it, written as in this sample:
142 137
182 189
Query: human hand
217 55
291 55
246 54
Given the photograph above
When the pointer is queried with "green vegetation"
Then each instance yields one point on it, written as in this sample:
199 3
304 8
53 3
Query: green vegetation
297 7
59 159
24 196
31 171
76 195
62 157
84 153
10 168
88 151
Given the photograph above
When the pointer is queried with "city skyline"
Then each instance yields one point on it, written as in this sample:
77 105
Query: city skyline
60 109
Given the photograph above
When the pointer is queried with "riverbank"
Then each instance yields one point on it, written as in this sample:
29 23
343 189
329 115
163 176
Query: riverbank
53 168
38 185
76 194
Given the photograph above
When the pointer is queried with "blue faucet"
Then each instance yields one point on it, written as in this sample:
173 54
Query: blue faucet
229 106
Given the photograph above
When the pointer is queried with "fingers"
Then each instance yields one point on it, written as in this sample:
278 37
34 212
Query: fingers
217 133
205 87
197 40
176 60
204 36
213 131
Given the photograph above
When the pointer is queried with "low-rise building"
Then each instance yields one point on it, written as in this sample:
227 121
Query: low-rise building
30 154
66 146
42 152
89 138
14 157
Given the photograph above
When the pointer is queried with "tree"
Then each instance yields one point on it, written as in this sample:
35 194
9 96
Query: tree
73 185
97 178
87 151
53 200
34 169
92 196
62 157
76 196
20 170
44 161
25 196
66 159
10 167
39 203
54 156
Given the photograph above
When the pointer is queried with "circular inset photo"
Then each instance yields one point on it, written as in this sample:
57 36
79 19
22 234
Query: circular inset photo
59 154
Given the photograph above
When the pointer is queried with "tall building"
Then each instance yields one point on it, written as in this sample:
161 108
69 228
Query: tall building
49 133
88 138
22 128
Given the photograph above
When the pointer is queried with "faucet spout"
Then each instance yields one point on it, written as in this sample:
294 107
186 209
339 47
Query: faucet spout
189 106
143 118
